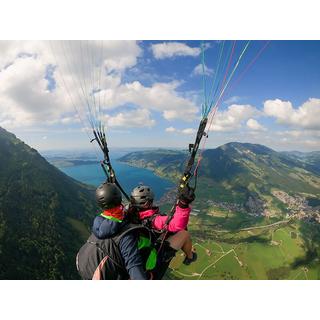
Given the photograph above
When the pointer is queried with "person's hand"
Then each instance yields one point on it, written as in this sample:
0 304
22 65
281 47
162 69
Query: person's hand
186 196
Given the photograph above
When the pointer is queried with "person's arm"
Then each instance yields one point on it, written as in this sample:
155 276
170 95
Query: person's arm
133 261
181 216
178 222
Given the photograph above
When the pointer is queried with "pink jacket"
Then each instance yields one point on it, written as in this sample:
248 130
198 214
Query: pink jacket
178 222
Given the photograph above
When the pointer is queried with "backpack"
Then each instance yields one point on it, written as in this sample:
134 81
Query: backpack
100 259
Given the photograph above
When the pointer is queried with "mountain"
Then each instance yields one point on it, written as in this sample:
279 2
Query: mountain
241 173
43 214
167 163
256 214
309 160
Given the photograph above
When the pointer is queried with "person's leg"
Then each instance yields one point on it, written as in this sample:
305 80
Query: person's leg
182 240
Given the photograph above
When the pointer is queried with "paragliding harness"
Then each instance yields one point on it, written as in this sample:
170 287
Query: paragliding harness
100 137
100 259
161 248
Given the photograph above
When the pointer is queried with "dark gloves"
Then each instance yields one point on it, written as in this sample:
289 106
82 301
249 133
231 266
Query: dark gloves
186 196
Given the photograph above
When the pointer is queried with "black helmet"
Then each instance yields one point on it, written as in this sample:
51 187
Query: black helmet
142 197
108 196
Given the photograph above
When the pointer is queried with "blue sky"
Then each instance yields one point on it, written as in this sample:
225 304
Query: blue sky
153 93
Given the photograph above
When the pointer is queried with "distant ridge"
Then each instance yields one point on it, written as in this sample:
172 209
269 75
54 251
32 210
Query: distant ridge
237 172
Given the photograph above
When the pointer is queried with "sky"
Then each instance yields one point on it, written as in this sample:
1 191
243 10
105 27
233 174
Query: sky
149 93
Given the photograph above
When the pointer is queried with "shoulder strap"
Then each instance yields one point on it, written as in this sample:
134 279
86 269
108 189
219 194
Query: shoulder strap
127 229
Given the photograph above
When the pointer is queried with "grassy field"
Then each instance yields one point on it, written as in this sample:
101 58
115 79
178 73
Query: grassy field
226 252
266 253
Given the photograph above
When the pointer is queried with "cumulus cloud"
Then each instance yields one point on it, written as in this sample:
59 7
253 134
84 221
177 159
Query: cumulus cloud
41 82
24 95
233 118
30 95
187 131
199 70
131 119
161 97
11 50
305 116
255 125
172 49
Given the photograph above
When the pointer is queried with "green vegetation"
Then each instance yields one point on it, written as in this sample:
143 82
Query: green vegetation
44 215
236 171
231 243
263 254
41 210
80 227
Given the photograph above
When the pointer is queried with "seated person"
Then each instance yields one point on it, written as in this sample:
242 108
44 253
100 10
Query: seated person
111 252
178 237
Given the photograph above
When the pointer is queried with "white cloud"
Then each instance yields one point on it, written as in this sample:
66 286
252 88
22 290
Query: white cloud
170 129
255 125
161 97
306 116
303 134
233 118
187 131
199 70
131 119
11 50
87 71
24 95
172 49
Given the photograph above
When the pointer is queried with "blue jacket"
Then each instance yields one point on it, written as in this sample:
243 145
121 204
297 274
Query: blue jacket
128 246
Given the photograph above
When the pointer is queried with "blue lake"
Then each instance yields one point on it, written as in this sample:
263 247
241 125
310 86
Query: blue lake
128 176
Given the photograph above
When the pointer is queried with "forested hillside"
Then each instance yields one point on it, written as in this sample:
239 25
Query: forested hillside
41 215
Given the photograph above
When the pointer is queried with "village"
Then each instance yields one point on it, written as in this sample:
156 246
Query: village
297 206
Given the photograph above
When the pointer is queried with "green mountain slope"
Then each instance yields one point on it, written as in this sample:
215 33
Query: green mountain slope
241 173
166 163
41 214
309 160
256 215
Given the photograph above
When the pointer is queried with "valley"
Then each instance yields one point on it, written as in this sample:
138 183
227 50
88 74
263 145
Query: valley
256 215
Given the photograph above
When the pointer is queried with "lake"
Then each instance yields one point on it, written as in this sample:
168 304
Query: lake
128 176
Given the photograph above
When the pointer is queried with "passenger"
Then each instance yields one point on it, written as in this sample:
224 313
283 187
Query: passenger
177 237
